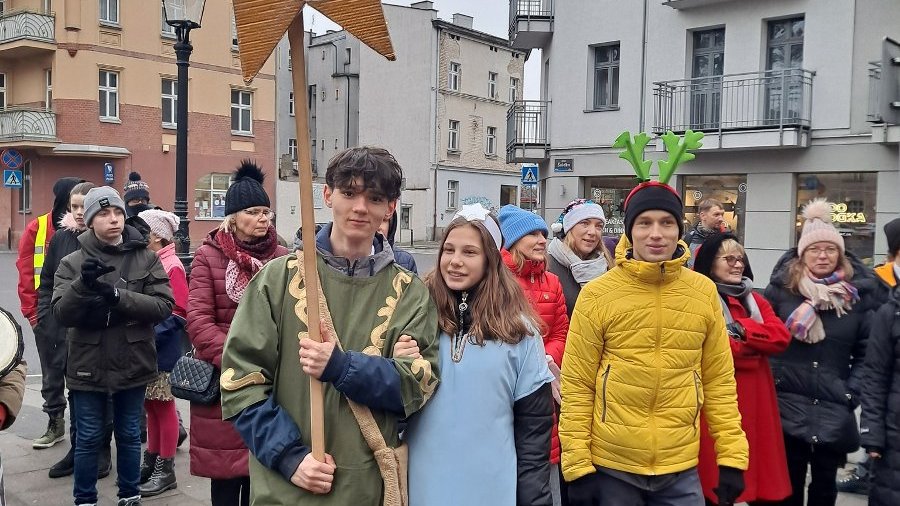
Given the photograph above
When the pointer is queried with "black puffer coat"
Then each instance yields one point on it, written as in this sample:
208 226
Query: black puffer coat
818 385
880 424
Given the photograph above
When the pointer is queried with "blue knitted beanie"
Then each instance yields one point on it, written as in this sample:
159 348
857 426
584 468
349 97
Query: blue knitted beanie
516 223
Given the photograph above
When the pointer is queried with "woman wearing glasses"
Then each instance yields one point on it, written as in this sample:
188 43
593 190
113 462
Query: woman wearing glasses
222 267
755 333
826 297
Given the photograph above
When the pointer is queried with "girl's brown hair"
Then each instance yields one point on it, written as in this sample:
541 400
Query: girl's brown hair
796 269
499 309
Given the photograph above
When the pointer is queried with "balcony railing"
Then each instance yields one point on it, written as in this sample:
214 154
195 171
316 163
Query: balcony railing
19 25
772 99
526 126
27 124
530 22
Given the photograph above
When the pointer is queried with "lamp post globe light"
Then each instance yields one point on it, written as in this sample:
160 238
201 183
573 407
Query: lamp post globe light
184 16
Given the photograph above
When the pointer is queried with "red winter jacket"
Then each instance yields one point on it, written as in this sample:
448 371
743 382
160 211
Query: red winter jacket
767 477
217 451
25 264
545 293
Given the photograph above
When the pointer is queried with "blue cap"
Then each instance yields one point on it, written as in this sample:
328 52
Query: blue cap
516 223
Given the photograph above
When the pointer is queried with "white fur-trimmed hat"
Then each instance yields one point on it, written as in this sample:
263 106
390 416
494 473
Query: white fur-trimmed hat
817 226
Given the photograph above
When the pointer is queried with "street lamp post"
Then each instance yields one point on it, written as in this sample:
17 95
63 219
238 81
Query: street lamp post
184 16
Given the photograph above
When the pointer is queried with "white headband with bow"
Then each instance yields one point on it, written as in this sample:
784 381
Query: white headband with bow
477 212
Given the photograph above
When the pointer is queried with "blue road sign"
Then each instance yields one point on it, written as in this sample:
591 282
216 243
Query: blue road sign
11 159
529 174
108 174
12 178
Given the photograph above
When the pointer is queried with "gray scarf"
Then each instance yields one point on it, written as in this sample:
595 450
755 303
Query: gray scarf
582 270
742 292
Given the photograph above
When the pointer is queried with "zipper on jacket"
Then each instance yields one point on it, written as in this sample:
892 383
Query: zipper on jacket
697 393
605 379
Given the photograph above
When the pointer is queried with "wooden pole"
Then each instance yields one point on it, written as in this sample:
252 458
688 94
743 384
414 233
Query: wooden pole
308 224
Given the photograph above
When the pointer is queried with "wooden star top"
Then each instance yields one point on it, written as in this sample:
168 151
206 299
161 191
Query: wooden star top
261 24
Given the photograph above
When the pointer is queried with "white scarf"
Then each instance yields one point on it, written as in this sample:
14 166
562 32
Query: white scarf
582 270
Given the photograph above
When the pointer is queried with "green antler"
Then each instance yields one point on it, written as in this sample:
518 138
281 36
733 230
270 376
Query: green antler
678 149
634 153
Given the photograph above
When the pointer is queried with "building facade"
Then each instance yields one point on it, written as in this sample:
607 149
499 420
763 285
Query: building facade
788 93
90 83
440 108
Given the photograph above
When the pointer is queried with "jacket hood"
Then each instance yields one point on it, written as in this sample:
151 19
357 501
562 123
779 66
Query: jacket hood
132 239
872 291
68 223
530 268
363 267
61 190
651 271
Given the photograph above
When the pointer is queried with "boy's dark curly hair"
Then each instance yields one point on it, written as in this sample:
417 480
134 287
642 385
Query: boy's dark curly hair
374 167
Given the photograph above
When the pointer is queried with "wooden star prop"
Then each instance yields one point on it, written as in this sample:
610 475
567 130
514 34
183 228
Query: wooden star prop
261 24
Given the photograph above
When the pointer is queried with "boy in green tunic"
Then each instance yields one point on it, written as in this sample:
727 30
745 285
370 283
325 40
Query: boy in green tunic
373 302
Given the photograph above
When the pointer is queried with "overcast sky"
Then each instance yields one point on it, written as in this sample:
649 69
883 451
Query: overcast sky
491 16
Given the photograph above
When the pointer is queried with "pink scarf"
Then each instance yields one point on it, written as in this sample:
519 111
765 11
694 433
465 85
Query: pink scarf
244 259
821 295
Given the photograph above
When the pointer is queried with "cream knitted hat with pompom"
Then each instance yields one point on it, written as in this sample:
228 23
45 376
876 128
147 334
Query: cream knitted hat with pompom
817 226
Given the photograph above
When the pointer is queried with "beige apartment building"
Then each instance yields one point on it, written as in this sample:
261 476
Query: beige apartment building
85 83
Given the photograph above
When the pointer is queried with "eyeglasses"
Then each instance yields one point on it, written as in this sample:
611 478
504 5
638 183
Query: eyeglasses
257 213
828 250
732 260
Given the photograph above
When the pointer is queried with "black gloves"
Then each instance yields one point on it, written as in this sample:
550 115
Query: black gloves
736 331
585 490
91 270
731 485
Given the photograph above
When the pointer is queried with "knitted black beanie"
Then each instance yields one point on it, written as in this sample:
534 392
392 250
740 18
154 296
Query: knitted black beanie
246 190
653 195
135 188
892 231
706 255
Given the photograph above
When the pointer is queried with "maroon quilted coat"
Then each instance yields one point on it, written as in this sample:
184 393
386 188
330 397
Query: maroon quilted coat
217 450
545 293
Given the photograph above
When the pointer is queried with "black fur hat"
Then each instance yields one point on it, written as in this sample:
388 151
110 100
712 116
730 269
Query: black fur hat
246 189
706 255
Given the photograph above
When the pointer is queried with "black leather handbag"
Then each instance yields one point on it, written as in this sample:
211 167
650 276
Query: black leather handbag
195 380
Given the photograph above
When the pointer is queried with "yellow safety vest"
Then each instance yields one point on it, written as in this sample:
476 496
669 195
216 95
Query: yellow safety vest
40 240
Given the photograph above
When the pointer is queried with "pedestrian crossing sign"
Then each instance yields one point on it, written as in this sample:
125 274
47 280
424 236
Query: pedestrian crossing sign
12 178
529 174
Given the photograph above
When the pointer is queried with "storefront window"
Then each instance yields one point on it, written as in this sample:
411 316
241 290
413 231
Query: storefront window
209 196
730 190
853 213
610 193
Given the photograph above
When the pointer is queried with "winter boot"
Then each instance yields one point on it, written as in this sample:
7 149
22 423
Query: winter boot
56 432
64 467
148 465
130 501
853 483
163 478
182 434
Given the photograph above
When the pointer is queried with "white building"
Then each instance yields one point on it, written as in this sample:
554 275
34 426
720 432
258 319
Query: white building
440 108
787 92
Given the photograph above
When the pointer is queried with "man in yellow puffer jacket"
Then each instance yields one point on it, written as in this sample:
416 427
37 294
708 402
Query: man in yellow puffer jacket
647 353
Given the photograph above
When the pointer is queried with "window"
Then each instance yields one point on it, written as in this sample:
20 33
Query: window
25 194
492 85
706 86
48 90
453 77
109 95
453 141
606 76
513 89
490 147
292 149
854 196
209 196
290 62
509 194
784 64
241 112
109 11
3 91
730 190
166 28
291 103
234 39
169 103
452 194
405 211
